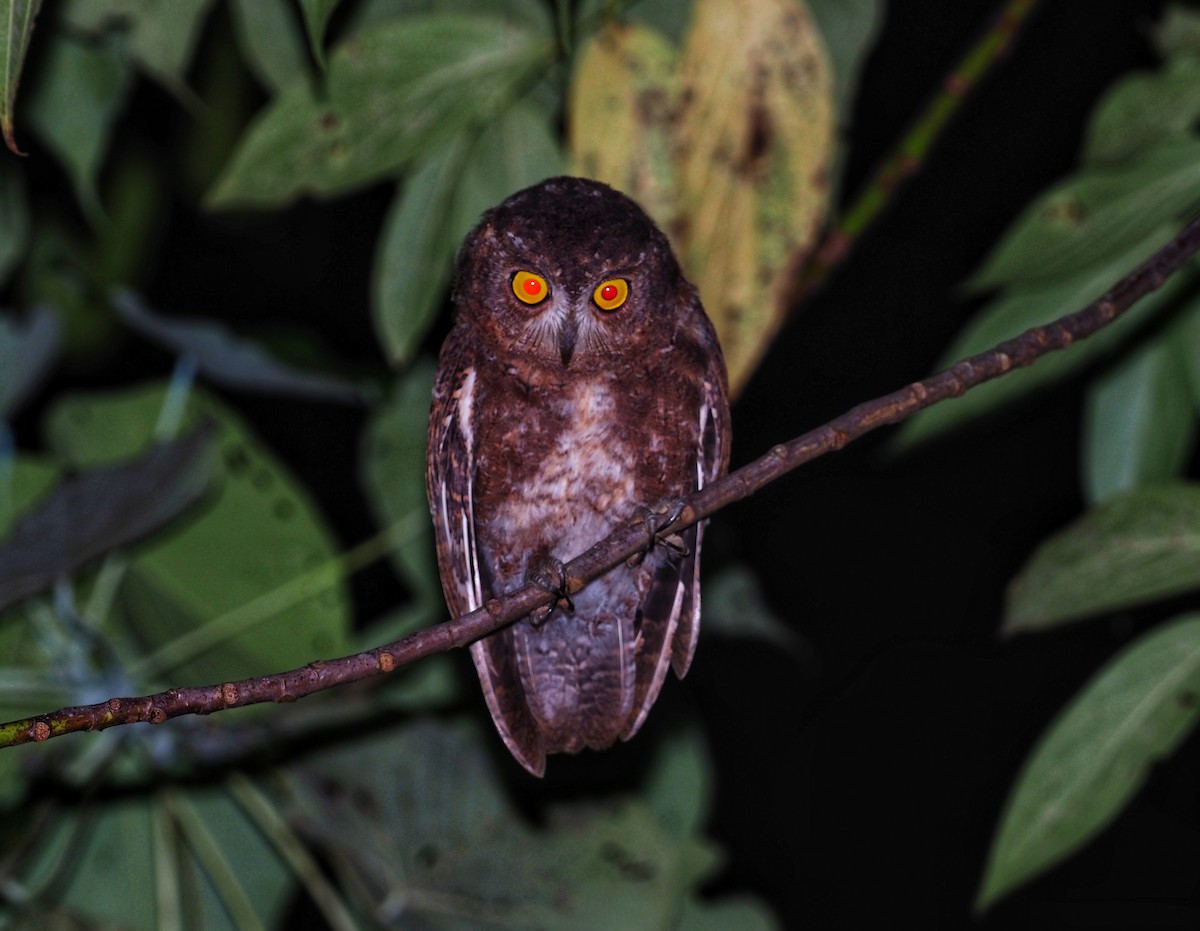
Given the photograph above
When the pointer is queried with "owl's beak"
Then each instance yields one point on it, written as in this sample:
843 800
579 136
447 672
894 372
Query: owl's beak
567 337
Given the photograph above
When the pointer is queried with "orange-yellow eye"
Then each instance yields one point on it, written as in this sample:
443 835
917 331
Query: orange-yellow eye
530 288
611 294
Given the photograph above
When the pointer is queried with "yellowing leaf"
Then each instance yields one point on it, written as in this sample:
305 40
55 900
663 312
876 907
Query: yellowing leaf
622 100
753 143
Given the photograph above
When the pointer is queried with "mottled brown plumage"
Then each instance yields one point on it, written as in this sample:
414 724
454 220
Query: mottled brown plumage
562 405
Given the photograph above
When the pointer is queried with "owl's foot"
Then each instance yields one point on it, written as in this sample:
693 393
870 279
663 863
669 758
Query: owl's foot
654 519
550 575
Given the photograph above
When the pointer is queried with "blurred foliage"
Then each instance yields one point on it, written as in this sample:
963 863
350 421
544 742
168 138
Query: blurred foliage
156 541
1137 183
226 566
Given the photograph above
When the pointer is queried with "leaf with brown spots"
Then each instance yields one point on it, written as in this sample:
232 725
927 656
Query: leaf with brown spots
622 101
753 143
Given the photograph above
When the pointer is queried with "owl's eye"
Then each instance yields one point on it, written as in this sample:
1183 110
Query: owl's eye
530 288
611 294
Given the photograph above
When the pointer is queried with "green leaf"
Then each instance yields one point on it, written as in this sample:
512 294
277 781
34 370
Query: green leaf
99 510
517 151
237 592
194 840
438 205
534 14
398 809
270 41
1184 336
162 33
316 18
678 787
1136 547
239 873
734 606
116 845
1093 217
1097 754
417 823
393 476
1144 109
231 361
1138 420
668 18
23 480
16 29
73 106
1036 304
744 914
1178 32
849 28
14 221
622 869
26 353
394 94
414 254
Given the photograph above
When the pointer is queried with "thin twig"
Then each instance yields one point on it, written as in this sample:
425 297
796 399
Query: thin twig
906 159
626 542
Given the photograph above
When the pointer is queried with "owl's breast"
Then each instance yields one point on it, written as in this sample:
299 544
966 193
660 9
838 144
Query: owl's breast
559 470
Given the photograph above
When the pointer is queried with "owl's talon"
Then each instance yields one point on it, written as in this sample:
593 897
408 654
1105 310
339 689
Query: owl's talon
550 575
655 519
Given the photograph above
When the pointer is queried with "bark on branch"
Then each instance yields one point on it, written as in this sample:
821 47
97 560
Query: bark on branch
621 545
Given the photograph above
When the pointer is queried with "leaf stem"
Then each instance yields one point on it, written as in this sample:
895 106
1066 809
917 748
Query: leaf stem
906 159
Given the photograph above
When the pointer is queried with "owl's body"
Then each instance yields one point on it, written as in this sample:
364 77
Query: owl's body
554 420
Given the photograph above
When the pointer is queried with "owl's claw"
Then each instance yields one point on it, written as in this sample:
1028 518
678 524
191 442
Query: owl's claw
550 575
654 519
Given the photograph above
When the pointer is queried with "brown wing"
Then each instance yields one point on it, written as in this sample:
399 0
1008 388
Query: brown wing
450 477
670 612
712 461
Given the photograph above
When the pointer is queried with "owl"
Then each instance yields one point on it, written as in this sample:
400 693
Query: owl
581 383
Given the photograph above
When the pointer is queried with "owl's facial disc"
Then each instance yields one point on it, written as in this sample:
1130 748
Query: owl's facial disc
608 297
566 319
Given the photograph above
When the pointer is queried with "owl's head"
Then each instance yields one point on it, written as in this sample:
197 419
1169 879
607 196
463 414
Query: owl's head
569 272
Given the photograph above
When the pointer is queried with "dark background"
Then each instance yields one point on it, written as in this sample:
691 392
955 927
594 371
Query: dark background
884 774
859 786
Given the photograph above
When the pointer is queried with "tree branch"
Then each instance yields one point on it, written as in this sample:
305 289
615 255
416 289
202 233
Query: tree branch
630 540
907 157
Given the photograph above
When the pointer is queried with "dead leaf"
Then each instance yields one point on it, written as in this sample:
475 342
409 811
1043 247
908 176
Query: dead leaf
623 99
753 143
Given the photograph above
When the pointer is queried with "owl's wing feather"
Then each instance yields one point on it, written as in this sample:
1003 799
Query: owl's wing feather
712 459
450 479
670 620
659 620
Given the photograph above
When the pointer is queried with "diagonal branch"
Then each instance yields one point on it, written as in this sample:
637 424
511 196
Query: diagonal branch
906 159
630 540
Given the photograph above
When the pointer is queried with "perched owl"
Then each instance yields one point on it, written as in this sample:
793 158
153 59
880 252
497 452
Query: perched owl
581 382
